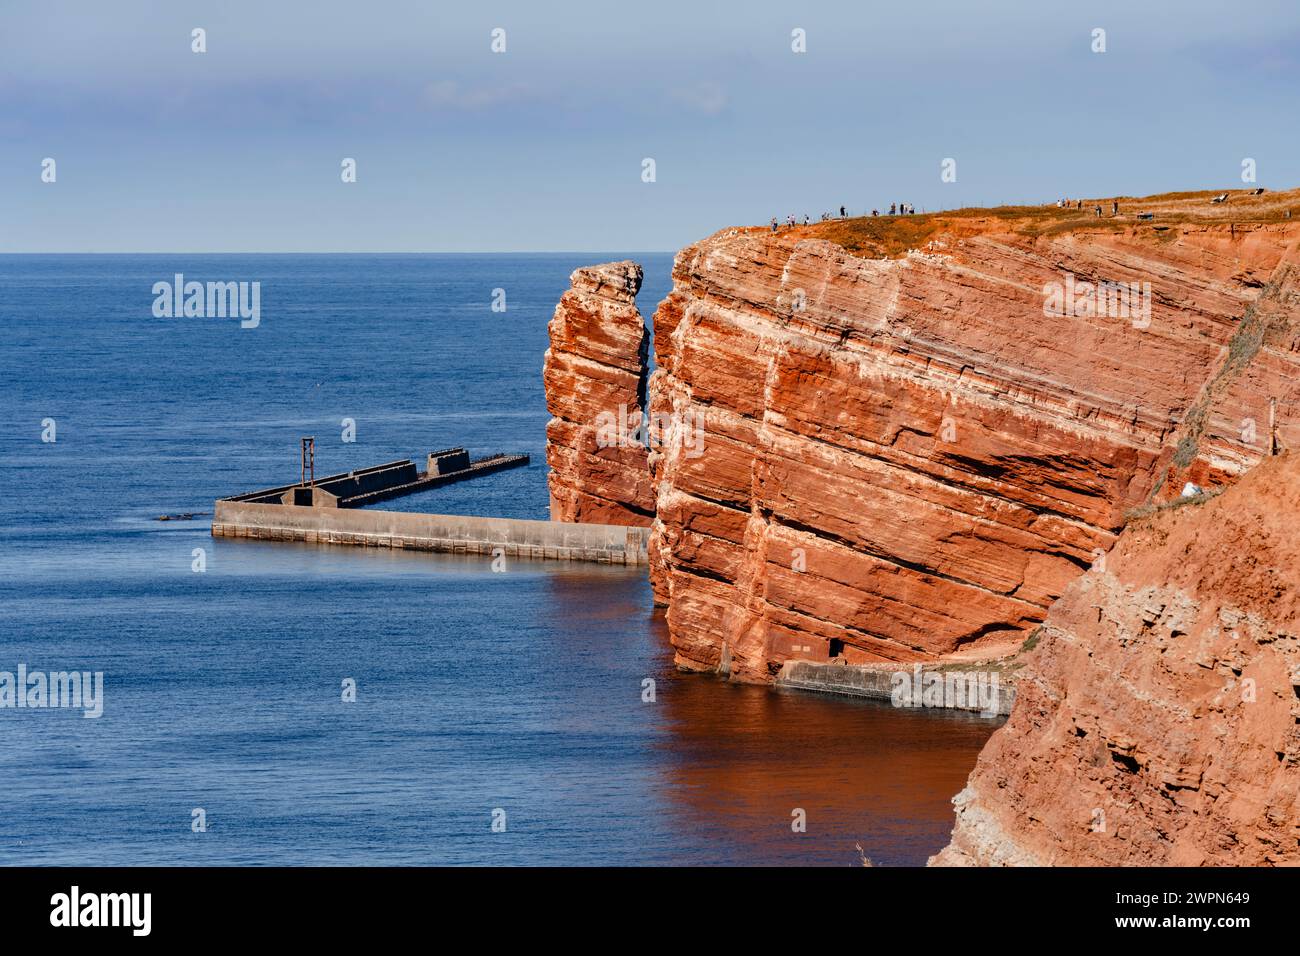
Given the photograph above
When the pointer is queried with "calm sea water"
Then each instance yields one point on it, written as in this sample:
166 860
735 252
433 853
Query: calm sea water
475 690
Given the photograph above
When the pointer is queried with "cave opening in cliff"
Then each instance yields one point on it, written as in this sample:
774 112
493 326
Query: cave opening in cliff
836 648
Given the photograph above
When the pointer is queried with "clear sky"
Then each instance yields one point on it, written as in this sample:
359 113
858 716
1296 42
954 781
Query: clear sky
458 148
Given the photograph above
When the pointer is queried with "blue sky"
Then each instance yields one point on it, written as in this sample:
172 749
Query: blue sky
238 149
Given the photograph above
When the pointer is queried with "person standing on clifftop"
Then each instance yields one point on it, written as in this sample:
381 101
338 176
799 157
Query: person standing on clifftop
774 223
1114 208
892 207
841 212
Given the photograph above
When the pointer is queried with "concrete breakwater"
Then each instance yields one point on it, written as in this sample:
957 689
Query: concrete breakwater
330 511
457 534
980 689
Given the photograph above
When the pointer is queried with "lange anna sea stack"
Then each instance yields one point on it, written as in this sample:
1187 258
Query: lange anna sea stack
595 377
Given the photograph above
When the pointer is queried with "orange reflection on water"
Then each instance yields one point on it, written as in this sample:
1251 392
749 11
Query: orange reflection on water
739 760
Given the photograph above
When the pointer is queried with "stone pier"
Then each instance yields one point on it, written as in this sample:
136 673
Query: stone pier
456 534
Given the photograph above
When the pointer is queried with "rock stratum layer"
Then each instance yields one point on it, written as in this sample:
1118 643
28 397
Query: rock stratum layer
884 447
595 378
1157 721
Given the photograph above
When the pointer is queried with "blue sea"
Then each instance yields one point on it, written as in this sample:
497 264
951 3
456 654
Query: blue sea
512 697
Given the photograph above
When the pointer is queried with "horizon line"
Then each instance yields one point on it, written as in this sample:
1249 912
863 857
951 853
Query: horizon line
480 252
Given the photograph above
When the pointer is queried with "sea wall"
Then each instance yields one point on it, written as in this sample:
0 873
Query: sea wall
459 534
950 688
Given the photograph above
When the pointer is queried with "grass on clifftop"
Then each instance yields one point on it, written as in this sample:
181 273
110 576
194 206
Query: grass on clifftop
892 236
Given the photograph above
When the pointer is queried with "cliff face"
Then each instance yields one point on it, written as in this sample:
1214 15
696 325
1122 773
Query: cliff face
878 455
595 377
1157 720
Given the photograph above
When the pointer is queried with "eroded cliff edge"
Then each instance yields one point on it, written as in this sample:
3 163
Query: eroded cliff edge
885 447
1157 719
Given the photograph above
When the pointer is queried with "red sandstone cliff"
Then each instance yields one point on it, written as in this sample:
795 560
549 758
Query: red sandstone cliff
882 449
595 376
1157 721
